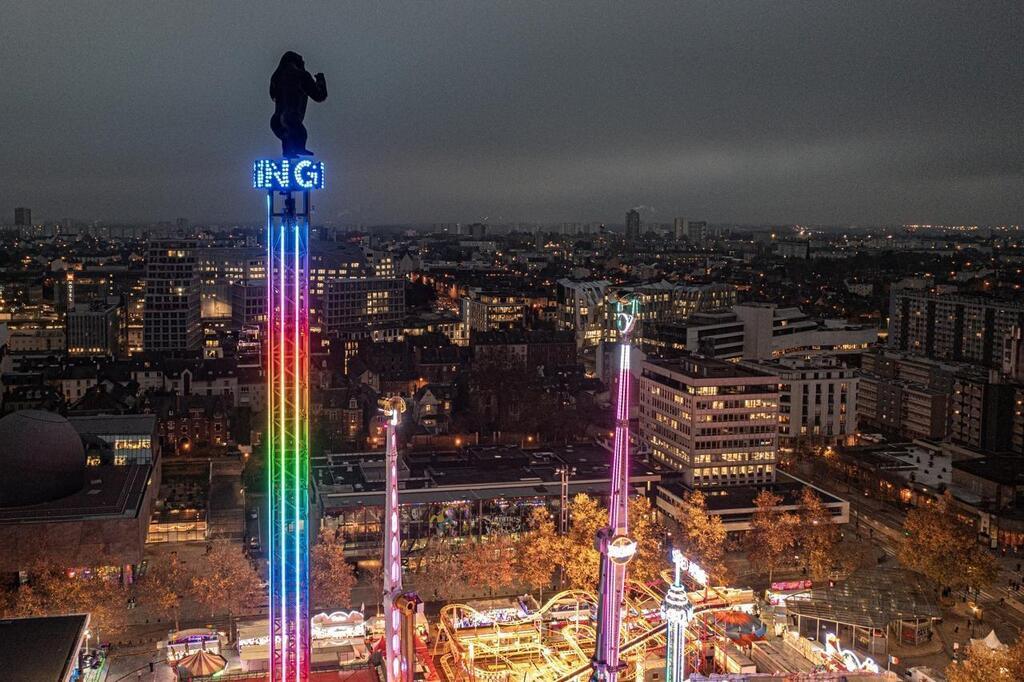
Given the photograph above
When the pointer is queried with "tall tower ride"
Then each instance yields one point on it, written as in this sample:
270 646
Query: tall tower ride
677 611
613 541
399 606
288 183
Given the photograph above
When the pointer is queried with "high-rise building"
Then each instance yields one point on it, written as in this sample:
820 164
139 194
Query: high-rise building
957 327
22 216
714 421
94 328
632 224
171 317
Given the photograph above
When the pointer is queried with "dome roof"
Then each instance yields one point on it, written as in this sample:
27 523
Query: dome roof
41 457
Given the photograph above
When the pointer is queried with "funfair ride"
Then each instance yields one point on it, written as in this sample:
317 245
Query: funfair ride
677 611
399 606
613 541
288 183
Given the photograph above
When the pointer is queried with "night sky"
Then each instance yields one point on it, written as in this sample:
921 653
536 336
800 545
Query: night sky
818 112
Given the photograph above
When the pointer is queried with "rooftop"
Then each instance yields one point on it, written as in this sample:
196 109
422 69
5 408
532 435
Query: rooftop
481 472
43 649
1004 470
110 491
698 367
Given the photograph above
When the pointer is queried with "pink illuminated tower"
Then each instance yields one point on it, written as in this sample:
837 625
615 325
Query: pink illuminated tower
399 606
613 541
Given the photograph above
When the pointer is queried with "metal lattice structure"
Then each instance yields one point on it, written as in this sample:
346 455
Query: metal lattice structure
613 541
287 357
399 607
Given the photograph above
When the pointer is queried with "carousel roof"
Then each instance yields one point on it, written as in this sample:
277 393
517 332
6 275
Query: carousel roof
203 664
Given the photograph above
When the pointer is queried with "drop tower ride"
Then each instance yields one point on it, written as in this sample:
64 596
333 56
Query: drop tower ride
288 183
613 541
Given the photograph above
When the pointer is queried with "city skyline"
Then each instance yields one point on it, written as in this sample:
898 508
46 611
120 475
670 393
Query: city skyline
443 113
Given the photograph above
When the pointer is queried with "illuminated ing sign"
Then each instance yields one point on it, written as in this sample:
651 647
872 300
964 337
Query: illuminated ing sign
287 175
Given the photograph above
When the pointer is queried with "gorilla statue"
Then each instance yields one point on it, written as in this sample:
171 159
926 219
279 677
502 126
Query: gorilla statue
291 86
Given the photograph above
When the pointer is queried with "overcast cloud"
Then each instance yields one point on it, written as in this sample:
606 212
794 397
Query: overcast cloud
818 112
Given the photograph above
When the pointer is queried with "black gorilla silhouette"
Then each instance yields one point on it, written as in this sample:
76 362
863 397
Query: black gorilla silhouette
291 86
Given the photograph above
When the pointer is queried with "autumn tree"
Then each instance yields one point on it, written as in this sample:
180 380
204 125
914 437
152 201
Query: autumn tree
648 532
225 579
772 536
942 546
704 536
487 563
54 592
331 575
538 550
579 558
817 534
165 585
982 663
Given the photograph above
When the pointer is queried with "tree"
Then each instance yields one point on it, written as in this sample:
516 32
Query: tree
486 562
225 579
165 586
704 535
54 592
943 547
538 550
817 535
981 663
772 534
332 575
579 558
649 534
24 602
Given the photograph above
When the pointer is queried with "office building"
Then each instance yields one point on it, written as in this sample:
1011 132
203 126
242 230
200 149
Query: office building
581 309
773 332
716 422
350 303
817 399
952 327
713 334
94 328
494 310
171 317
248 303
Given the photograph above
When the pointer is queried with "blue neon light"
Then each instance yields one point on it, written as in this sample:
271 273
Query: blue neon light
287 175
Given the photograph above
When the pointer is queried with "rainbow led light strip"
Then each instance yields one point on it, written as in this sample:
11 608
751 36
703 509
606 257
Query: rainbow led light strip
288 413
613 541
